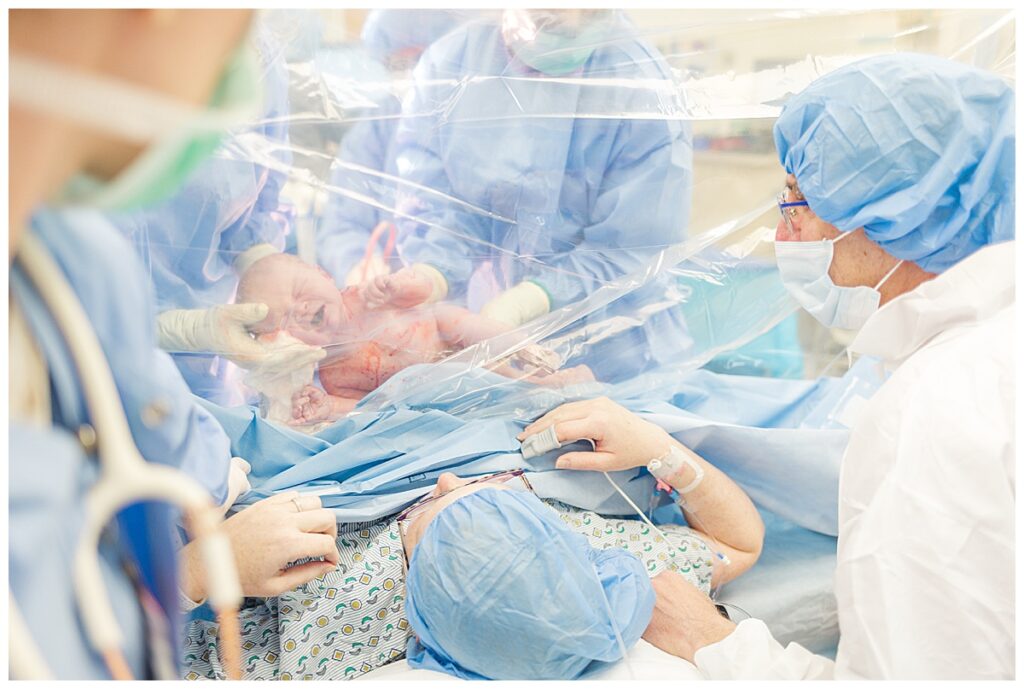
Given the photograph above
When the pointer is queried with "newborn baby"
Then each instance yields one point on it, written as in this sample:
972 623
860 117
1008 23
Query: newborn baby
367 344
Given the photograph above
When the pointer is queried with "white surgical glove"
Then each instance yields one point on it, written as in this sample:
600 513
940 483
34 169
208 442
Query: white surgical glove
238 482
366 270
224 330
247 258
518 304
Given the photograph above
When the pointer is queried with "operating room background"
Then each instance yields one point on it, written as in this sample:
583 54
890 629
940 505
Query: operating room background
734 64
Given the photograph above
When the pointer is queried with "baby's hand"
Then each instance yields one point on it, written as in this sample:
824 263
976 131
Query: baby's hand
402 290
566 376
537 360
310 405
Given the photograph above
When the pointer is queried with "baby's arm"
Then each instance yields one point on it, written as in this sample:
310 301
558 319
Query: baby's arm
313 405
461 327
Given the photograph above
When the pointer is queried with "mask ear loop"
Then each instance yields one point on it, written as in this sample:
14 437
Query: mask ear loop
889 274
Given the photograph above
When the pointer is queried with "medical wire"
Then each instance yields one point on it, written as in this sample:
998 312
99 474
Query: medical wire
722 557
126 478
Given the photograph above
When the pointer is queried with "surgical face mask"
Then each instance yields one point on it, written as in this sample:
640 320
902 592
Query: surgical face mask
552 47
804 270
177 136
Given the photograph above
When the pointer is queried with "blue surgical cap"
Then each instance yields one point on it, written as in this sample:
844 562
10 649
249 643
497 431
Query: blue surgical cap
500 588
387 32
917 150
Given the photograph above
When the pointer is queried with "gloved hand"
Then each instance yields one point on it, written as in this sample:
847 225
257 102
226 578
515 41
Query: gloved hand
418 284
518 304
366 270
238 482
223 330
245 260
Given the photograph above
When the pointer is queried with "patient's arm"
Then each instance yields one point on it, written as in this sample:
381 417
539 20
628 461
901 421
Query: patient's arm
716 507
313 405
723 514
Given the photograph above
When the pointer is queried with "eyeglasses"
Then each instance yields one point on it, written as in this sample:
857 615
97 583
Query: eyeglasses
417 509
787 209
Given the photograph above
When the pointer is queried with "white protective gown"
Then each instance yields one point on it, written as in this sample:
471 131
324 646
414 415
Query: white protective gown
925 571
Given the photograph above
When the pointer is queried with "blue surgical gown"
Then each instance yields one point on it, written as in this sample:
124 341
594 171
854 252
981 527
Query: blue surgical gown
50 472
188 244
568 182
358 199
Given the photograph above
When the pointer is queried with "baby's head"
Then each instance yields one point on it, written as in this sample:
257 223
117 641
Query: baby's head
301 298
500 588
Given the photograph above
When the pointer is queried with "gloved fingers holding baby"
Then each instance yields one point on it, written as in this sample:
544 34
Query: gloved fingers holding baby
372 331
226 329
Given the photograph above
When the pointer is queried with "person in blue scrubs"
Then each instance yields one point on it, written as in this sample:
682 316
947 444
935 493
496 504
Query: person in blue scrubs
392 42
78 152
532 171
195 244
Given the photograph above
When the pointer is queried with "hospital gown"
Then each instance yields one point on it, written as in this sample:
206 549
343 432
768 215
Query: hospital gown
352 620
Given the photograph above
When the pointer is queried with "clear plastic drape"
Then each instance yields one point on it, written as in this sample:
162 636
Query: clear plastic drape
564 197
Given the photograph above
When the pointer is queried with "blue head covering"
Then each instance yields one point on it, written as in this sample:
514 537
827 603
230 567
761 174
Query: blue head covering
387 32
500 588
917 150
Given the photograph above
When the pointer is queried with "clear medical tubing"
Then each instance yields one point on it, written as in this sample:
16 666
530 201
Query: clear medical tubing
126 478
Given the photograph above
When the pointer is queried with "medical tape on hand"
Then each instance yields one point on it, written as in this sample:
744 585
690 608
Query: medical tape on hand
671 463
668 465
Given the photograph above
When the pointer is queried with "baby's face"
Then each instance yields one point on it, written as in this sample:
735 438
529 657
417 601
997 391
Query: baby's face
302 299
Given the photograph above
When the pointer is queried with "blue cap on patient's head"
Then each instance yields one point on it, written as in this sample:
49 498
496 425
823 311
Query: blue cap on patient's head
500 588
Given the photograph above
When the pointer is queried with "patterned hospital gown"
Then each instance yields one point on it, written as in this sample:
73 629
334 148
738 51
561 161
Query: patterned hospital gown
352 620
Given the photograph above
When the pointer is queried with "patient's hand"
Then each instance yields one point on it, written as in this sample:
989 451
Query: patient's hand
685 620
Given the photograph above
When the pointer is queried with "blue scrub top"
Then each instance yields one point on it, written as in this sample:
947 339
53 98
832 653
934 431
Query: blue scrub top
537 175
188 244
50 472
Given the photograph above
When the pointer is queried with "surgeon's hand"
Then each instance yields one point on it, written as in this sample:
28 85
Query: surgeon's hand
685 620
518 304
238 482
622 440
267 536
224 330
